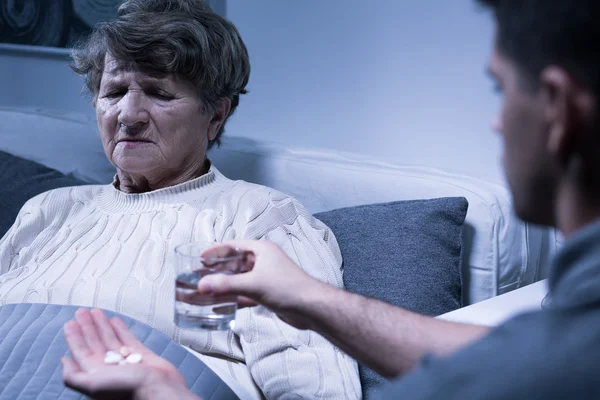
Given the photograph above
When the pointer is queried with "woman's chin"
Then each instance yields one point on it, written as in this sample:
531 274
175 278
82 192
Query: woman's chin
135 167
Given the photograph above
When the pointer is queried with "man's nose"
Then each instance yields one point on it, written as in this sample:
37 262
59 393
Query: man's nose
497 124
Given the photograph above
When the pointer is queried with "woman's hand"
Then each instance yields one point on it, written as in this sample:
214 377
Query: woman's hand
90 336
271 279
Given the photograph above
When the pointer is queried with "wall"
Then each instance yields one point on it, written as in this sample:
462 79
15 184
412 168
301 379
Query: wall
401 80
40 77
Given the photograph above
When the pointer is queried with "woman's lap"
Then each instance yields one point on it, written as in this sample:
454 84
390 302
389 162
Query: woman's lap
32 345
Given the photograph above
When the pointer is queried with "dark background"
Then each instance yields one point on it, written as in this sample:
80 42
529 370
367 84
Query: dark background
53 23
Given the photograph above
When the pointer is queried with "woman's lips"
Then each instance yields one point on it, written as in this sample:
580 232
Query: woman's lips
134 143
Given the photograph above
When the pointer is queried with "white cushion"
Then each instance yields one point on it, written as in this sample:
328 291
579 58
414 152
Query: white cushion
500 252
66 141
495 311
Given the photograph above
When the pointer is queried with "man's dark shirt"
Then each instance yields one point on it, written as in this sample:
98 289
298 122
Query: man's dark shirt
548 354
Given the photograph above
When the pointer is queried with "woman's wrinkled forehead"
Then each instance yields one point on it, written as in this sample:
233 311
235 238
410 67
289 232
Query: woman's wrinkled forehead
114 67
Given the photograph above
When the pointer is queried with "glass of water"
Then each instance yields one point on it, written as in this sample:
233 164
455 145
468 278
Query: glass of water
192 309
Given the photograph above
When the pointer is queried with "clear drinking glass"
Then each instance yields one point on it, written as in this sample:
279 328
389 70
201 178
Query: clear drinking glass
192 309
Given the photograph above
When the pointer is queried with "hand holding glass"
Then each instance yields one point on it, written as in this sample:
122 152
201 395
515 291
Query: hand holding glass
197 311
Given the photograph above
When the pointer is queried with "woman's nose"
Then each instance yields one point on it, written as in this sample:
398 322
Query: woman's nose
132 109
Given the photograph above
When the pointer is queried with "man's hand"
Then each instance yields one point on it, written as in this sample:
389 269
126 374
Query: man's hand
386 338
272 279
89 337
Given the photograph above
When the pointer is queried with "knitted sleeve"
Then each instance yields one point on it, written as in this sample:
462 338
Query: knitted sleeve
287 363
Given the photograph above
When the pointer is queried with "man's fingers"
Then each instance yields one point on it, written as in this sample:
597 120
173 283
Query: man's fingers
78 345
105 330
220 252
90 331
247 246
248 261
221 284
244 302
250 245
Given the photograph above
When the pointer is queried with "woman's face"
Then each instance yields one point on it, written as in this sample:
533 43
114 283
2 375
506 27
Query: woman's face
153 128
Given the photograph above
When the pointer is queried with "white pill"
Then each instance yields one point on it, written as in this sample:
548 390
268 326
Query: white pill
134 358
112 358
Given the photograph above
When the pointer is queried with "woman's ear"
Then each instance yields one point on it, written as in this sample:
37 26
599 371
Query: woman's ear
218 118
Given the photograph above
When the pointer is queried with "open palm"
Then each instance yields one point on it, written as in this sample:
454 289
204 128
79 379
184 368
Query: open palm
89 337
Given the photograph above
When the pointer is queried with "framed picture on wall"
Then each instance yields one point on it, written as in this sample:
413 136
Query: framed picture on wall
58 23
55 23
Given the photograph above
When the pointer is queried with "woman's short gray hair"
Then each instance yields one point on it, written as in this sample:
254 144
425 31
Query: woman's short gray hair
181 37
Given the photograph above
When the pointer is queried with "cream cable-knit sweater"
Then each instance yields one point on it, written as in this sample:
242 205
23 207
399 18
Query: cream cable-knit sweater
97 246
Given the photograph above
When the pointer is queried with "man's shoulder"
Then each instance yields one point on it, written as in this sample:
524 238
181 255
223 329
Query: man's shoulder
545 355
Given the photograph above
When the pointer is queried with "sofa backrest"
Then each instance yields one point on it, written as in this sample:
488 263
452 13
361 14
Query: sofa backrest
501 253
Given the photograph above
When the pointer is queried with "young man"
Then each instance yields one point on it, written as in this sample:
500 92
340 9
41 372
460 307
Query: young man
546 62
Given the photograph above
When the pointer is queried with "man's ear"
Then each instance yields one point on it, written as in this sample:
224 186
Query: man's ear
218 118
555 89
568 107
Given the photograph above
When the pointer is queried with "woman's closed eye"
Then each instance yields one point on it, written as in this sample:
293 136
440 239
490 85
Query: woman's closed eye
115 94
160 95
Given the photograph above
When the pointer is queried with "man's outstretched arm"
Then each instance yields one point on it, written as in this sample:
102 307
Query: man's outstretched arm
386 338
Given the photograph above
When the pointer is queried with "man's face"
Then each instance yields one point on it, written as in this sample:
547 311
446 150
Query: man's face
526 160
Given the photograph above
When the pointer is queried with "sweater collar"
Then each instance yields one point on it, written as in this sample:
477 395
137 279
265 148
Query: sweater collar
112 200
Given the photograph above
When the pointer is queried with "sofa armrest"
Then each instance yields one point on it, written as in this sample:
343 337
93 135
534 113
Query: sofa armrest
498 309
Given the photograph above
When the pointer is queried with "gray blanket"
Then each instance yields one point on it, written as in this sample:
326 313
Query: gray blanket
32 344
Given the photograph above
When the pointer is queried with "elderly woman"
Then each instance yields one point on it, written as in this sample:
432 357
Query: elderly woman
165 76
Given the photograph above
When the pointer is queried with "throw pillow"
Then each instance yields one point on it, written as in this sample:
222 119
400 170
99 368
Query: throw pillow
406 253
21 180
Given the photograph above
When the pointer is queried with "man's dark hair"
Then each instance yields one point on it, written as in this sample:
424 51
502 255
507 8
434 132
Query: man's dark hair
537 33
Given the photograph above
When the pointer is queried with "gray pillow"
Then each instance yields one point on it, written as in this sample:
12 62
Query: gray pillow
406 253
21 180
